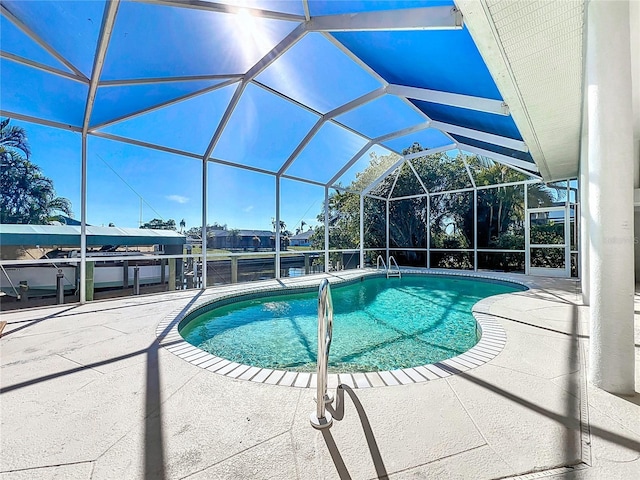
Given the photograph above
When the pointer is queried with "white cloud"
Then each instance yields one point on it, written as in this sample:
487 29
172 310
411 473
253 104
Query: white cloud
177 198
247 209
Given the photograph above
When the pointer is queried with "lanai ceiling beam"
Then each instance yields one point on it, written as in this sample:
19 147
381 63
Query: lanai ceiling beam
226 8
277 51
469 102
158 106
33 36
521 166
108 22
482 136
44 68
350 163
147 81
429 151
427 18
325 118
384 175
40 121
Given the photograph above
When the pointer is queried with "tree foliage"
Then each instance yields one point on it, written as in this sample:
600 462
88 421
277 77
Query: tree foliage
500 210
28 197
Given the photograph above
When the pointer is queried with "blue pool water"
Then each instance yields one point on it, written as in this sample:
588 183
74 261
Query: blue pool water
379 324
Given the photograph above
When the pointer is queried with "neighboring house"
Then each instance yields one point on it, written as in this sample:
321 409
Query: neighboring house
302 239
244 239
194 241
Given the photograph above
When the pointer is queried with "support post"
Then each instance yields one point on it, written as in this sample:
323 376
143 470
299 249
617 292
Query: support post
136 280
361 231
584 225
204 225
428 231
125 274
527 231
326 229
60 287
24 291
387 231
234 269
83 225
90 268
172 274
277 227
475 228
611 349
306 264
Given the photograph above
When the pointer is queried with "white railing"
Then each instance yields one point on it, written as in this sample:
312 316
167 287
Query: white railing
321 418
396 272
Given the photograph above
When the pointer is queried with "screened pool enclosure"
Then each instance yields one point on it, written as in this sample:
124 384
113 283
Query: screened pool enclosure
276 138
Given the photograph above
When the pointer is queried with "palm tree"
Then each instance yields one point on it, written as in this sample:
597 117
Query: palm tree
12 138
27 195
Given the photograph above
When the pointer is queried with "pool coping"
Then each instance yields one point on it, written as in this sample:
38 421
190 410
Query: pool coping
493 337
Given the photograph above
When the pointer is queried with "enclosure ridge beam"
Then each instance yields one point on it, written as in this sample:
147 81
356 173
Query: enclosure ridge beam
305 6
357 60
366 98
305 141
226 8
384 175
469 102
44 68
430 151
325 118
168 103
146 81
140 143
275 53
303 180
40 121
395 181
514 163
350 163
427 18
106 29
410 163
506 142
33 36
402 133
468 169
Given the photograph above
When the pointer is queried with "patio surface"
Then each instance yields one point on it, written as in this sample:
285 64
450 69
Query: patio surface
89 391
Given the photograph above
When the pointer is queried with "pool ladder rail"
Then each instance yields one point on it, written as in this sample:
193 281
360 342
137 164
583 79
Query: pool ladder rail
391 272
321 418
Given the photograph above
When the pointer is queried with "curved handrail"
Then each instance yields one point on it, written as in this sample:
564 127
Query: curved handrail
378 260
321 418
393 260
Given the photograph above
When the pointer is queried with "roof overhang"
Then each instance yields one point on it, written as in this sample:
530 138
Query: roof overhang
534 51
69 236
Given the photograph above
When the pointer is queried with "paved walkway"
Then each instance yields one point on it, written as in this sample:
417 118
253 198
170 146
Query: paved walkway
88 392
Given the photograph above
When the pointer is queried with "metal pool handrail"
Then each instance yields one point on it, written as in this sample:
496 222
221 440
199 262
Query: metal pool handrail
395 273
321 418
378 260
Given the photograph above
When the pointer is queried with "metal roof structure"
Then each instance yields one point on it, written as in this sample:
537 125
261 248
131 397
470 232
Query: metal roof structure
69 235
334 77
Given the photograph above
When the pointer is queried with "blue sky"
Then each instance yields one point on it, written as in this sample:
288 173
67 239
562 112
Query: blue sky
170 186
128 183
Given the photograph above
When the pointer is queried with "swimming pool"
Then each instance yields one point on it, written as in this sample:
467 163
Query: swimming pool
380 324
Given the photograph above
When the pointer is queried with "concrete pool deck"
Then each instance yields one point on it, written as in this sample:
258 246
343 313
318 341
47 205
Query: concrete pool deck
89 392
